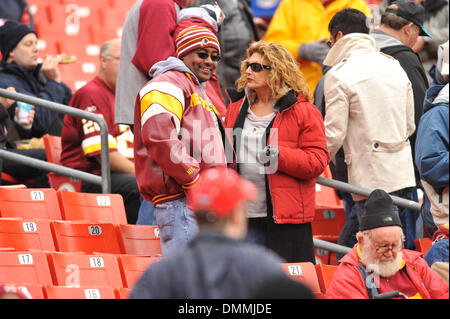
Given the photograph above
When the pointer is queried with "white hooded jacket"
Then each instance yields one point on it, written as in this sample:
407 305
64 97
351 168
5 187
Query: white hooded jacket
370 111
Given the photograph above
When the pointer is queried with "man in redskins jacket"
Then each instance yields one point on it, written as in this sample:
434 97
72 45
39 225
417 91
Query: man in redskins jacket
178 131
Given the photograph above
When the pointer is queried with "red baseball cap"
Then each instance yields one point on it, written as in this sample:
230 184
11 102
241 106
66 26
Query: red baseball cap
220 191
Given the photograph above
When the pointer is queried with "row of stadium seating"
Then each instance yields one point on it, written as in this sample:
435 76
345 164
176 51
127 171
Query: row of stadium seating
87 257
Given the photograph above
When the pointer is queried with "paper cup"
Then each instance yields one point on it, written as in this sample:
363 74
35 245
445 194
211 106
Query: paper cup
22 112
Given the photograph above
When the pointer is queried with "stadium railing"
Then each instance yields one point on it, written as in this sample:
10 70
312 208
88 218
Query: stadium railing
104 180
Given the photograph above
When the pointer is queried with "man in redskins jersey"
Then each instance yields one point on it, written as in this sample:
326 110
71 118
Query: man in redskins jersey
81 137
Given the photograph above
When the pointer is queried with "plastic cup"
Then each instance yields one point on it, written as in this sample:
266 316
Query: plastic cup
22 112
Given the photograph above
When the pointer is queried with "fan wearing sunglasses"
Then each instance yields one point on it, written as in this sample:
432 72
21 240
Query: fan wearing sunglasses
280 146
178 129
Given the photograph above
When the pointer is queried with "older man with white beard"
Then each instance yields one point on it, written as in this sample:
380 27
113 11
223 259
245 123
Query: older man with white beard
378 263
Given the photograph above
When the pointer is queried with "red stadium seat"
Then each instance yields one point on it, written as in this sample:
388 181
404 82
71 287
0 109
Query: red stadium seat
53 150
26 234
140 239
29 203
423 244
132 268
85 237
304 273
325 275
328 223
78 270
329 215
105 208
95 292
22 268
35 291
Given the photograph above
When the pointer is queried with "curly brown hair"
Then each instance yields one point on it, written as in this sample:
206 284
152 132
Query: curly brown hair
284 73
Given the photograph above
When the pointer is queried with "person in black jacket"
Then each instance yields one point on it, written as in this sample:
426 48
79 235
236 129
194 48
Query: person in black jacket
20 68
401 26
9 137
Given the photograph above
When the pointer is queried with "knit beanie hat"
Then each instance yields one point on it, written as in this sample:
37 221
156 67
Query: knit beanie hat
10 35
379 211
196 29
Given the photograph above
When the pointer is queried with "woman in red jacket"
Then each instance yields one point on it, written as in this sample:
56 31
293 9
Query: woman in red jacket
280 144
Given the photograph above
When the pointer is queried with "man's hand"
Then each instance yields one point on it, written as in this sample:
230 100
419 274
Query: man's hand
50 67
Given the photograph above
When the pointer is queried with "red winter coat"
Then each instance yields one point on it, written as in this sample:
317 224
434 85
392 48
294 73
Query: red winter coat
300 138
348 283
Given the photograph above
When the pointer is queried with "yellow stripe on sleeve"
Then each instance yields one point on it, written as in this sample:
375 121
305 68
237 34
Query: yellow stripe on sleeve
169 102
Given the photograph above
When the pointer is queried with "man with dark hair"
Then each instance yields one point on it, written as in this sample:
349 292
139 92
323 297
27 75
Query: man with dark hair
401 26
217 263
338 167
370 112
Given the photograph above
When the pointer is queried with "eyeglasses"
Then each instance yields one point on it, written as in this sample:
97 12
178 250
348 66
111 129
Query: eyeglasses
329 44
257 67
204 56
385 249
114 57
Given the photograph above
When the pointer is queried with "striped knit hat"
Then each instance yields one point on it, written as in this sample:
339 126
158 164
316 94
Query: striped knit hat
194 33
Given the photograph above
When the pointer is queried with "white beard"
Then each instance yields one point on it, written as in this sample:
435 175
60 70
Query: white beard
384 269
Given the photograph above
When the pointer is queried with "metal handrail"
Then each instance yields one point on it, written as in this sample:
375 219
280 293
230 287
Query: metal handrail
104 180
345 187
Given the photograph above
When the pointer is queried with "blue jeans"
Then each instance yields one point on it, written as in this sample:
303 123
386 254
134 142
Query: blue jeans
177 225
427 217
146 215
409 219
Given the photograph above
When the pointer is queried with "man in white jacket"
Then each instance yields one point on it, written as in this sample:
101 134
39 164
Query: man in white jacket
370 112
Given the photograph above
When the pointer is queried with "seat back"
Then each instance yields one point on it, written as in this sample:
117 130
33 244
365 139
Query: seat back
304 273
423 244
139 239
101 208
97 292
26 234
22 268
78 270
328 223
325 275
85 237
29 203
53 149
33 290
132 267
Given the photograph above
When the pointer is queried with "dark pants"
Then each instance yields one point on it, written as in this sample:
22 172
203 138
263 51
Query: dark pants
351 227
24 172
125 185
292 242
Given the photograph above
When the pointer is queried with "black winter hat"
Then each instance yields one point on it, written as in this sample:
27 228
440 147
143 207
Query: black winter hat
379 211
10 35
